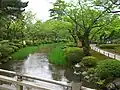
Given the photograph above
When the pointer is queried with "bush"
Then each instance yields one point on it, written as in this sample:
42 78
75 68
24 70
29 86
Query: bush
89 61
29 42
19 45
4 42
108 69
15 41
6 51
74 55
109 46
15 48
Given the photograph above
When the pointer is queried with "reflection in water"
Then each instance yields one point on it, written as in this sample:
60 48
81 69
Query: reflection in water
37 65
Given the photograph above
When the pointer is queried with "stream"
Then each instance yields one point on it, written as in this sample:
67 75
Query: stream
37 65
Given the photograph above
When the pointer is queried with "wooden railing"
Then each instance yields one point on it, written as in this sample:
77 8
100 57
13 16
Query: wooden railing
22 81
106 53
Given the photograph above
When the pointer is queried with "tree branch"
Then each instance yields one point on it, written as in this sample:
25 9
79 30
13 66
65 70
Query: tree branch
96 19
74 20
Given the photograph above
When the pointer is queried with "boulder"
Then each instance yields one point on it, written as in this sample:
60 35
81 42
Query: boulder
115 85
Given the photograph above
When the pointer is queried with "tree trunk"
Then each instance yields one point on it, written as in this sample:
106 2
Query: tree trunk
73 36
86 47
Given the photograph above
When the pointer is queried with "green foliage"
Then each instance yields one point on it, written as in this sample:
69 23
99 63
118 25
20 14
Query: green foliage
73 55
57 57
12 7
108 69
105 72
29 42
15 48
70 44
89 61
109 46
24 52
5 51
7 48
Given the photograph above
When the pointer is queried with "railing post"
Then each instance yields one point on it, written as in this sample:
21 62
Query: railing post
76 86
114 56
27 88
108 54
19 79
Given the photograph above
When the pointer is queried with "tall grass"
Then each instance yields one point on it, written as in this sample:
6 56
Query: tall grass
57 57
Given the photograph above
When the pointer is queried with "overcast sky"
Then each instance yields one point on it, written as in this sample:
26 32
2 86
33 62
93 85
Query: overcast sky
40 7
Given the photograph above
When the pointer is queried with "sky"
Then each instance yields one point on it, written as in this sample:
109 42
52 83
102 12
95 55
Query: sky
40 8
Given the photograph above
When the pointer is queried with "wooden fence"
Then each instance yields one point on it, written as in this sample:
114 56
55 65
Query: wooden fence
106 53
22 81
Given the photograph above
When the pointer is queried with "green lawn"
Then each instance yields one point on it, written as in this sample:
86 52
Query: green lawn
98 55
22 53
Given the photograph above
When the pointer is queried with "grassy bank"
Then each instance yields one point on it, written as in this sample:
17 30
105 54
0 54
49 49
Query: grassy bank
98 55
56 56
24 52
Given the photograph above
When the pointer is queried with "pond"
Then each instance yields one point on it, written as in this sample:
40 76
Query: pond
37 64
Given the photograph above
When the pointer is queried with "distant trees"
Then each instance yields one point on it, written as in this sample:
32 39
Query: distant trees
50 30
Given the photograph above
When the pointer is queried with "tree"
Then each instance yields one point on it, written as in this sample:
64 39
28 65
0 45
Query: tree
86 15
10 13
12 8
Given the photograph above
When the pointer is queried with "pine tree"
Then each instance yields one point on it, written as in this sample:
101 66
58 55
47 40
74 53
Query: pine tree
12 8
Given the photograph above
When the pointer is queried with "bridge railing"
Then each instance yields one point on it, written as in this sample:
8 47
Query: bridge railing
21 81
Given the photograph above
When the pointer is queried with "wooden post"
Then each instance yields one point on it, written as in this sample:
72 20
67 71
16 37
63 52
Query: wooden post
76 86
108 54
28 88
19 79
114 56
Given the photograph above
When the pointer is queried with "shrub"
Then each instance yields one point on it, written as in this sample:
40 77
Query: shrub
15 41
4 42
29 42
109 46
14 47
89 61
18 45
6 51
108 69
74 55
